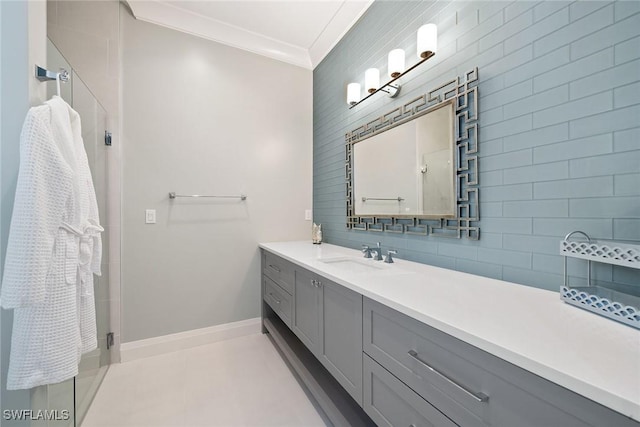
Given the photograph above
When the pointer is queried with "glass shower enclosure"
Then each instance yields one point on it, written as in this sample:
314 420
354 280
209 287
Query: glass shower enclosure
77 394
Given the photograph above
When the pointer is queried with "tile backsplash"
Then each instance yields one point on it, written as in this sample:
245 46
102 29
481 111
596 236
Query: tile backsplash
559 137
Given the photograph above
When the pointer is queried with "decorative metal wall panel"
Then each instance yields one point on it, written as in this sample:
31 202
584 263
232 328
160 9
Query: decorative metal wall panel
464 93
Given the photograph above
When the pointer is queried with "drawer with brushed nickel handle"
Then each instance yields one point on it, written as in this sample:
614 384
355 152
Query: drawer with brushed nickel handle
390 403
423 360
278 300
279 270
468 385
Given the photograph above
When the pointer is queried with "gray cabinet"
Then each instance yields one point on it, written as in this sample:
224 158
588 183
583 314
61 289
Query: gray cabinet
471 386
307 310
325 348
327 318
405 373
341 344
391 403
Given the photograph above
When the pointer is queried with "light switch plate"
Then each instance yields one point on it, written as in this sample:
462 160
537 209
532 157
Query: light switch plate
307 215
150 216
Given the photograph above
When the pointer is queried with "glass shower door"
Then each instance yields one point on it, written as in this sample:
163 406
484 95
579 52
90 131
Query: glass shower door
93 365
79 392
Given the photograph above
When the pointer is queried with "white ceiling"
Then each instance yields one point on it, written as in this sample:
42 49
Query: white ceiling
300 32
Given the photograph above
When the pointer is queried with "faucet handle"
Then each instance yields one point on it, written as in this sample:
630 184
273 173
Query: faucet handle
366 250
389 259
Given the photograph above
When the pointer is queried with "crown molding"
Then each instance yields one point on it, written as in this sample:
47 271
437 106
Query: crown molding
346 17
170 16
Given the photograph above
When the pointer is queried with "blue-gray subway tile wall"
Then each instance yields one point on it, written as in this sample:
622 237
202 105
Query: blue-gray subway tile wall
559 138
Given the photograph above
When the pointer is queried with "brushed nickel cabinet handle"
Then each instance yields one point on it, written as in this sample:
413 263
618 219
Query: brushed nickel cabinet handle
273 267
477 396
274 298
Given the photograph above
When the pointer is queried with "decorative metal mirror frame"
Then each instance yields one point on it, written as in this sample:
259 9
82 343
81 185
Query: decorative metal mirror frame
464 94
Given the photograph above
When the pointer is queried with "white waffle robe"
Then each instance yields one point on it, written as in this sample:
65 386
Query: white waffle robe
53 251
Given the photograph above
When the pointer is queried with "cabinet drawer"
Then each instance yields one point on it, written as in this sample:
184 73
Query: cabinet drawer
391 403
405 347
469 385
280 271
278 299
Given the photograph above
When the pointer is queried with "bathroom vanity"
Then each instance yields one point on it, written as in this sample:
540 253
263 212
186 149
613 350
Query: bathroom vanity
409 344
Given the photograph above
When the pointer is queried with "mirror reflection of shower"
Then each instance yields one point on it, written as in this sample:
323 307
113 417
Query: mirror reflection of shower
409 169
435 145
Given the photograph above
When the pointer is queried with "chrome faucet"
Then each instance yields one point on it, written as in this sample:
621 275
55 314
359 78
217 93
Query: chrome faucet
377 253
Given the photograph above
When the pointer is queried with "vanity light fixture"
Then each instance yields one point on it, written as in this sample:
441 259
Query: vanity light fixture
396 63
372 79
353 93
427 43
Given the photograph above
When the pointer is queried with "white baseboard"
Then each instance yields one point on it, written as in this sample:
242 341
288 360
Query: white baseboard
183 340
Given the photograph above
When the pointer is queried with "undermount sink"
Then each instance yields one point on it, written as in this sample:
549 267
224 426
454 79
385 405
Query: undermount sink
354 265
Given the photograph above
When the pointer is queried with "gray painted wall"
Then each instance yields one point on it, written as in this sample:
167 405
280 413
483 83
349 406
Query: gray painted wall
203 118
559 137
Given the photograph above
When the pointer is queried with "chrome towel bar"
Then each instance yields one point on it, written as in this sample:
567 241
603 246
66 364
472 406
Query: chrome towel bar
173 195
396 199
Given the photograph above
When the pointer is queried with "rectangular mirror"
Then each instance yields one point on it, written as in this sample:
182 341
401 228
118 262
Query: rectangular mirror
408 170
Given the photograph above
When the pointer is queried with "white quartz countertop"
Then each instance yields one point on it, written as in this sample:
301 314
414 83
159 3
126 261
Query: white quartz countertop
529 327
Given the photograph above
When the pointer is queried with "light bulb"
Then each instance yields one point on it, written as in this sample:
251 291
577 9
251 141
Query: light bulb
427 40
372 79
353 93
396 63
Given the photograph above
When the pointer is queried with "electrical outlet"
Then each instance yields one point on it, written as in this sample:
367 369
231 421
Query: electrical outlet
307 215
150 216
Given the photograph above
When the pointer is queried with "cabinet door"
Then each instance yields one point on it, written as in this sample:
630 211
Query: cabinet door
341 347
307 318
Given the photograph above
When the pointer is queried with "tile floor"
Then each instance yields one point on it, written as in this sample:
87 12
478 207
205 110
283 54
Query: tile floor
239 382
